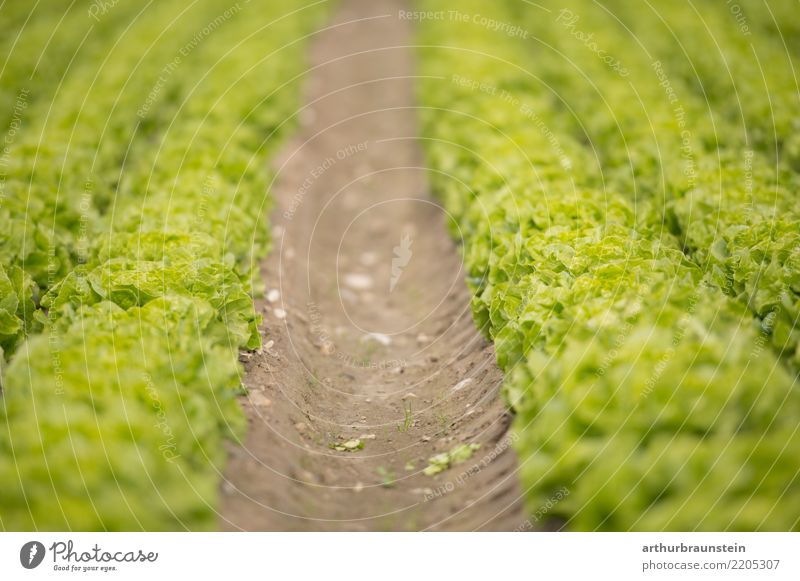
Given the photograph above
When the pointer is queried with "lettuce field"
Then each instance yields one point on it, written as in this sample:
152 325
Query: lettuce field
430 265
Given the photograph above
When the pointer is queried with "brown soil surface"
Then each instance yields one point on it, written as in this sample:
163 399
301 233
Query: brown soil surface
368 333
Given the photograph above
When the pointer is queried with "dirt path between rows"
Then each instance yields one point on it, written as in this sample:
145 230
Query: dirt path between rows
367 323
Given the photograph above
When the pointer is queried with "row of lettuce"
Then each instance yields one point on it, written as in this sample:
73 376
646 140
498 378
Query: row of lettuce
682 137
132 221
631 239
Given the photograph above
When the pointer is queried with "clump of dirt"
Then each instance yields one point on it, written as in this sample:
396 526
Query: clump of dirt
372 365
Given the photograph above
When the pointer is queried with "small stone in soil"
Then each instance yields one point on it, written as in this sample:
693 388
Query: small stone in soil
384 340
369 258
462 384
306 476
279 313
273 295
358 281
260 400
425 491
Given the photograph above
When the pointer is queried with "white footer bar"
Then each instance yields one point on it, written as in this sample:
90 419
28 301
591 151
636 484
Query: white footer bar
401 556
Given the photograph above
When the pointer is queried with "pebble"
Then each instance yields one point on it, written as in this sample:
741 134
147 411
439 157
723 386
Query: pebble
273 295
384 340
306 476
300 427
279 313
259 399
462 384
369 258
358 281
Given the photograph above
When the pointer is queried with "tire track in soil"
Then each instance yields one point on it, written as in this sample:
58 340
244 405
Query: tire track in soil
361 349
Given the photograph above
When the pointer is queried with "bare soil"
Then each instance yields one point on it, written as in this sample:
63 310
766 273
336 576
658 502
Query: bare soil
367 325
